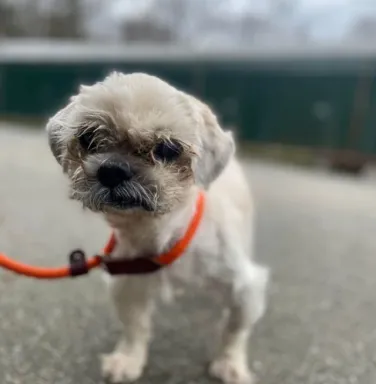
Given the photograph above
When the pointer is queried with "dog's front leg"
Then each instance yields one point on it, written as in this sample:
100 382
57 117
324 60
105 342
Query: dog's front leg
133 298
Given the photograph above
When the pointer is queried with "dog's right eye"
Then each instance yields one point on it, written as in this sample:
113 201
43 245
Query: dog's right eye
167 151
86 140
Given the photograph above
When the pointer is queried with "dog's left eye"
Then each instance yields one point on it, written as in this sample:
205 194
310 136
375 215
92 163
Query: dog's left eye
86 140
167 151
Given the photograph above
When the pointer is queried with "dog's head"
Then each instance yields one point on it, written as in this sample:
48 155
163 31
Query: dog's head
135 142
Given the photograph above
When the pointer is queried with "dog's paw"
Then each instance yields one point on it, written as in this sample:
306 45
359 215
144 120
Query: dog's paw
120 368
230 370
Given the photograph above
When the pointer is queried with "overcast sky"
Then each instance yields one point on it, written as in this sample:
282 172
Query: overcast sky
326 19
334 18
323 20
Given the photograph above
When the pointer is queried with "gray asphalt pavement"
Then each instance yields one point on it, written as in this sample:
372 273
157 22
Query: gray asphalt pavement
315 230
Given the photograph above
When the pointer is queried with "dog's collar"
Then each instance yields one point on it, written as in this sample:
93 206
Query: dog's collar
141 265
146 265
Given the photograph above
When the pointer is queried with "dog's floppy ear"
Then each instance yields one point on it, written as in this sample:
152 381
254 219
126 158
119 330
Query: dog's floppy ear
216 148
57 129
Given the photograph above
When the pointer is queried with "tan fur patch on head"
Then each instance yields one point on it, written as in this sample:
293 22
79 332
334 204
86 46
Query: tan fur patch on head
141 107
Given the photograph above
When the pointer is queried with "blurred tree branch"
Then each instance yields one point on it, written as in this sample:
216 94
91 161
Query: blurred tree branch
9 26
29 19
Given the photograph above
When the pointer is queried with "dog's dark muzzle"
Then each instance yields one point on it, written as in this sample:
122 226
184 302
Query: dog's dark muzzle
112 174
123 191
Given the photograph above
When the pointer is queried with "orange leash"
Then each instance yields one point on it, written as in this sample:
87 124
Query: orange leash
79 265
43 272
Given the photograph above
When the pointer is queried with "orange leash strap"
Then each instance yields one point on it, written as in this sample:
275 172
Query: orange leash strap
45 272
179 248
79 265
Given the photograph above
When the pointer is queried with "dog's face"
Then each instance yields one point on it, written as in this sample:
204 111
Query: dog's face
135 142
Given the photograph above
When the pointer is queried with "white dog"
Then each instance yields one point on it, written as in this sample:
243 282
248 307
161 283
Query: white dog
140 151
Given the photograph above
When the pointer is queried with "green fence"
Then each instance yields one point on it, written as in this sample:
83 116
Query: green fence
323 102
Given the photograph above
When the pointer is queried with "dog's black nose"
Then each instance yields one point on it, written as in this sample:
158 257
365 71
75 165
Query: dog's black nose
110 175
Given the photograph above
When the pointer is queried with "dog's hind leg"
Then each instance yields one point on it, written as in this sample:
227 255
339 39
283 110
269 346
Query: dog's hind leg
247 305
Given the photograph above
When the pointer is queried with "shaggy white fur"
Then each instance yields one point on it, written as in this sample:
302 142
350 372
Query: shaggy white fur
127 115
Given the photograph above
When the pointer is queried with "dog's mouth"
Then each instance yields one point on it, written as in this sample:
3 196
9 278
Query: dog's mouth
121 203
123 198
126 197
